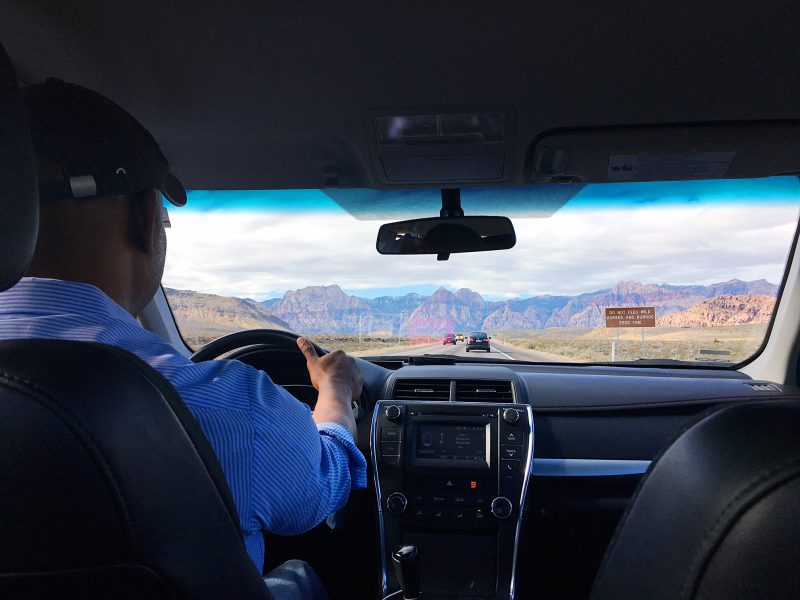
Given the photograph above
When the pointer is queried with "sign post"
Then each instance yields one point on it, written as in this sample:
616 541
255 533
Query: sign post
635 316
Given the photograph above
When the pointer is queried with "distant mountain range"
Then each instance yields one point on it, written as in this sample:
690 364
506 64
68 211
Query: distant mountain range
328 309
723 311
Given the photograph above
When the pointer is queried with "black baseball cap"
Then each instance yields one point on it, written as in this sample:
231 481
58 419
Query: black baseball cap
100 149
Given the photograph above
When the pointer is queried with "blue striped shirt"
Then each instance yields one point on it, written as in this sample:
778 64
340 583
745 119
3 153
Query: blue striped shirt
286 473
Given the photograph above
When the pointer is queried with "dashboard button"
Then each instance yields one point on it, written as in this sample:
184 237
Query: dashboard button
394 448
391 460
510 415
509 468
391 434
506 451
396 503
392 412
439 498
440 515
502 507
511 437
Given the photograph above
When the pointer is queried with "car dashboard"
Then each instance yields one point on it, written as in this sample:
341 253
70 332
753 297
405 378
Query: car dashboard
588 435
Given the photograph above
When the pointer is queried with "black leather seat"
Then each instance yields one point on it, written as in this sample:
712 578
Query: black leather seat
718 516
108 488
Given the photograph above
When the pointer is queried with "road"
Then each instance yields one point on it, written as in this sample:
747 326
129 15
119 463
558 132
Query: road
499 350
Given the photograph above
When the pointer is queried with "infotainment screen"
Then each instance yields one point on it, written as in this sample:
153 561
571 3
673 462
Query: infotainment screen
452 444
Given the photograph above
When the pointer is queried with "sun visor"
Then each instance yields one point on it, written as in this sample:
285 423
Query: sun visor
448 146
668 152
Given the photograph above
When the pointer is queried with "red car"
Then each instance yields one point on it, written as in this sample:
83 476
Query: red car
448 338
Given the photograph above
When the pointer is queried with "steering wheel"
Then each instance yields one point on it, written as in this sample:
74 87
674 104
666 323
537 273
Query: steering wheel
250 337
252 343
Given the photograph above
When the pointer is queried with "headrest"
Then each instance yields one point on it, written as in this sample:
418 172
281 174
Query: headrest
19 201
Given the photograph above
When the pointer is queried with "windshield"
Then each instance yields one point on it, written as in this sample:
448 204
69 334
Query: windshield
662 271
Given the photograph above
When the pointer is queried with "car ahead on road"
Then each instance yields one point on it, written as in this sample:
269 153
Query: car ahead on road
478 340
459 337
448 338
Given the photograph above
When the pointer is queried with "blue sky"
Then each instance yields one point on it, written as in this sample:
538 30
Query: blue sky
261 244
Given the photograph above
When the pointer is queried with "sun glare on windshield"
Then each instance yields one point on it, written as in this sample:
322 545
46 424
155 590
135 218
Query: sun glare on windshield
664 271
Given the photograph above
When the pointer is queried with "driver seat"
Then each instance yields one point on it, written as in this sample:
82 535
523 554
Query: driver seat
109 487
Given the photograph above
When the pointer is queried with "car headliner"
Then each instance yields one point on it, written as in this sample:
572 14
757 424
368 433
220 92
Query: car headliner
273 95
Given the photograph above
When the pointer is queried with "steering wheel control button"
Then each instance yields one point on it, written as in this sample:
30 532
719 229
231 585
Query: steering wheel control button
510 415
501 507
396 503
393 412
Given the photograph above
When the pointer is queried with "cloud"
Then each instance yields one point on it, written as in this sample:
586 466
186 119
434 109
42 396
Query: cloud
261 254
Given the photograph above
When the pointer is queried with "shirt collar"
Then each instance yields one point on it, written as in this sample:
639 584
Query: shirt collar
48 296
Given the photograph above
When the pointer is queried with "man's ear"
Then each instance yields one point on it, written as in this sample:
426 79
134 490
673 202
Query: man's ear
145 219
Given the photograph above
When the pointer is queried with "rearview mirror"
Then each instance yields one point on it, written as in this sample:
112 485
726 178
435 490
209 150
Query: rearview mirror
446 235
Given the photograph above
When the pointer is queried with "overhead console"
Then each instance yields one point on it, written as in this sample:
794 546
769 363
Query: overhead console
451 481
442 145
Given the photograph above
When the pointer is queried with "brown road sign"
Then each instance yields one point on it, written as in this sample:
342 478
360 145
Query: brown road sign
635 316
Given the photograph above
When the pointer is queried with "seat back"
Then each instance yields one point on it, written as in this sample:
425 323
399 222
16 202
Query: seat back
19 204
718 516
108 487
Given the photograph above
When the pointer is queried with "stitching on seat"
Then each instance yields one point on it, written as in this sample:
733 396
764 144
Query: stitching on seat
689 583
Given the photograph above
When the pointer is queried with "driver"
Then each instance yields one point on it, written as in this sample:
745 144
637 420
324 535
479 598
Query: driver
99 260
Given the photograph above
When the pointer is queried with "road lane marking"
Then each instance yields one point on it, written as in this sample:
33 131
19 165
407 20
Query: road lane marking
504 354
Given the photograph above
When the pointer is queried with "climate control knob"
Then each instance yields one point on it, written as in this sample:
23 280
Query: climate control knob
502 507
510 415
392 412
396 503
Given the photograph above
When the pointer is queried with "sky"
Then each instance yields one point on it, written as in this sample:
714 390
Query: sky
261 244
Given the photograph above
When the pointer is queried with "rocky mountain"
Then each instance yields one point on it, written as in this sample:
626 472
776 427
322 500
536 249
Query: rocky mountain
203 317
328 309
723 311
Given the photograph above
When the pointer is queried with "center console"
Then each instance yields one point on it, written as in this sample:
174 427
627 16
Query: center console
451 480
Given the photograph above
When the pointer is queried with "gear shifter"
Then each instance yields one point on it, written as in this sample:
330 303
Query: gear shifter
406 568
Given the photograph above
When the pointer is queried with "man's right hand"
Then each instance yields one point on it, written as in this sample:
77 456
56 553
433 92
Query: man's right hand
338 381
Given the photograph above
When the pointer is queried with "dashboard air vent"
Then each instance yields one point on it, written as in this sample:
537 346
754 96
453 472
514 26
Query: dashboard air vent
476 390
422 389
764 386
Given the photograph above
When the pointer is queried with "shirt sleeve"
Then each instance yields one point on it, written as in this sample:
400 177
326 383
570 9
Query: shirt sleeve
301 472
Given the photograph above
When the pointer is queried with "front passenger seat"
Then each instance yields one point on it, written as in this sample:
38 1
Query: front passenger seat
108 487
718 515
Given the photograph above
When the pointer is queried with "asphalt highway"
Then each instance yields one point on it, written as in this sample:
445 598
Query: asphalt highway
498 350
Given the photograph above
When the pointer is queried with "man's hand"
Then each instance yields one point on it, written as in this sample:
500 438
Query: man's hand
338 381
